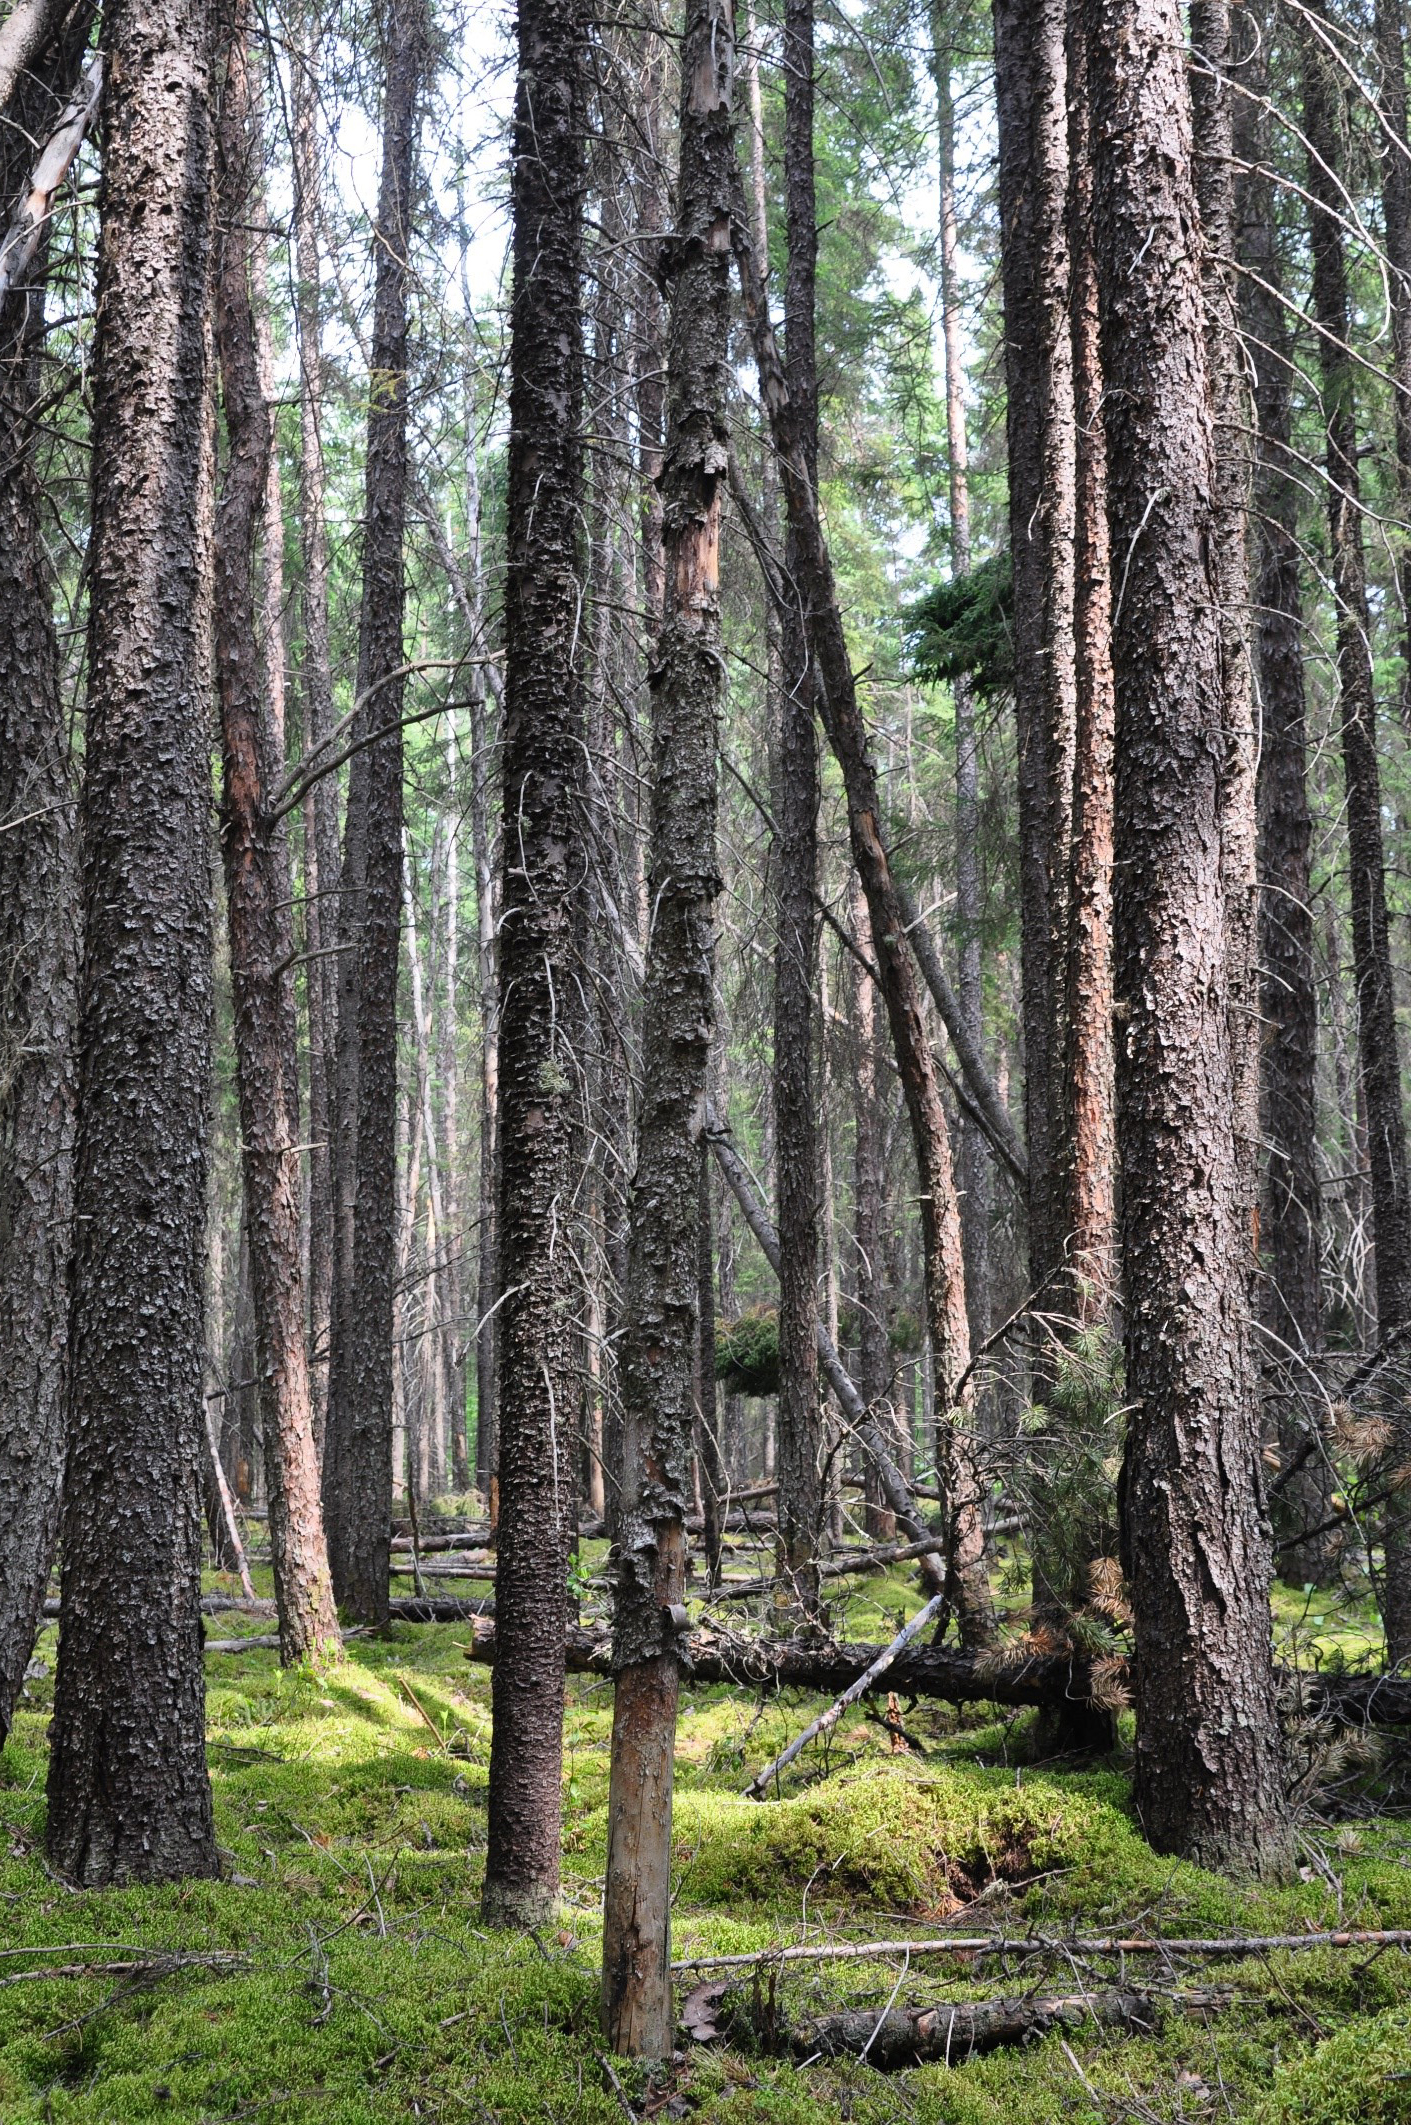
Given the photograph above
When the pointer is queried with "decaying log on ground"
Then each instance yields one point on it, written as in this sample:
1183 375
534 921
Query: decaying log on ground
951 2031
956 1678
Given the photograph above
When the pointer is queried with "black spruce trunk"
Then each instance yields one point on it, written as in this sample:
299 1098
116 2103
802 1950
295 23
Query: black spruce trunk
129 1797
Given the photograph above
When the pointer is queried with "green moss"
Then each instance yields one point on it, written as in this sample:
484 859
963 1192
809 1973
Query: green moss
1361 2076
351 1812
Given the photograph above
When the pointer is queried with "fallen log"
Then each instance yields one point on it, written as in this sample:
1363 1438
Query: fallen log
951 2032
956 1678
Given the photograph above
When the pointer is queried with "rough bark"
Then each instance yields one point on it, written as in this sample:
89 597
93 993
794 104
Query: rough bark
943 1265
869 1199
321 860
129 1798
1088 1153
1207 1781
358 1446
1290 1295
956 2030
1033 174
38 954
974 1166
1377 1043
799 1414
1396 217
688 693
541 752
256 862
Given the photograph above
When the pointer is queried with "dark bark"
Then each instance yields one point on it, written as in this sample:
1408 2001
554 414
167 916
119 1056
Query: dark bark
1088 1150
256 861
943 1265
38 947
974 1159
1395 153
357 1484
541 752
714 1482
1290 1296
321 861
1196 1542
1377 1043
799 1415
688 694
1033 172
1217 84
129 1798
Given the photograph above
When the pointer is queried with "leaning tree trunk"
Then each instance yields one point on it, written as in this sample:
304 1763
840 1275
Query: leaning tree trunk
1291 1290
129 1797
541 752
38 945
1377 1043
1033 176
357 1484
256 860
800 1410
1208 1783
943 1265
688 696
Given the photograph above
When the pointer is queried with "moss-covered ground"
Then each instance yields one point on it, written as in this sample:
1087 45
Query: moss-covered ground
349 1982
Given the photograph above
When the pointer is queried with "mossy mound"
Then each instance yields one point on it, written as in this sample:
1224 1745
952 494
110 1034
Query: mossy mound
1361 2076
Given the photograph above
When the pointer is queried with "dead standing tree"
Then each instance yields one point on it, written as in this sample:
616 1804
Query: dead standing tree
688 692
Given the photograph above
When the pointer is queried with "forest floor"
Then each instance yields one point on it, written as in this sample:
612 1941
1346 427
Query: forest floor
339 1975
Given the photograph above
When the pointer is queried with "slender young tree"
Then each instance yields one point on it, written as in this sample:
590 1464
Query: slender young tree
38 936
1390 23
1208 1783
688 692
129 1797
542 755
800 1410
1377 1042
256 861
357 1477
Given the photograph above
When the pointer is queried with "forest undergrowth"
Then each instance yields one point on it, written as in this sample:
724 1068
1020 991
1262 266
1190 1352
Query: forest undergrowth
338 1972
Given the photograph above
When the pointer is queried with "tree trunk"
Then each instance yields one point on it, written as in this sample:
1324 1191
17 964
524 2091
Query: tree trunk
487 1288
129 1797
688 693
1088 1121
1290 1297
1208 1782
255 854
1033 177
38 948
1212 106
714 1483
358 1451
321 862
974 1154
799 1415
543 775
947 1320
1377 1043
874 1367
1395 156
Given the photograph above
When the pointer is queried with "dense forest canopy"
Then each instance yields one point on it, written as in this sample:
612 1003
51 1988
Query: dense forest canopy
704 801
